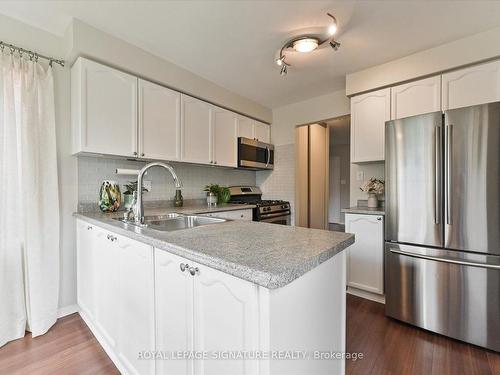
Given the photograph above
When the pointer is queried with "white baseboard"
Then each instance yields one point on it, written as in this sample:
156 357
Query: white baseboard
367 295
67 310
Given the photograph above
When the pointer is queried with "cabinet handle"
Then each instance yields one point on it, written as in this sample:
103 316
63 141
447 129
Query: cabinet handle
184 267
379 218
89 227
111 237
194 270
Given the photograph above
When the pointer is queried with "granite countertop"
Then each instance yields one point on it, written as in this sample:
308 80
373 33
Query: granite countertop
364 210
268 255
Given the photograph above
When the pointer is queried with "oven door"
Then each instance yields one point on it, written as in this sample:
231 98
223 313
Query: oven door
282 218
253 154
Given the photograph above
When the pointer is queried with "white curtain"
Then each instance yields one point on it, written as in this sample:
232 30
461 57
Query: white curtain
29 199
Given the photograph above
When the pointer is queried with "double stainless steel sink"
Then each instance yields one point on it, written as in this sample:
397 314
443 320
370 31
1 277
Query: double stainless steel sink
173 221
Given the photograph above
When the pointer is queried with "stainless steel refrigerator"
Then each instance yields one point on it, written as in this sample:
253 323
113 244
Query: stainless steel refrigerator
442 250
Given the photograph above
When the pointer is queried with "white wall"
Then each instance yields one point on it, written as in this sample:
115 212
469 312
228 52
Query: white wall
85 40
469 50
25 36
319 108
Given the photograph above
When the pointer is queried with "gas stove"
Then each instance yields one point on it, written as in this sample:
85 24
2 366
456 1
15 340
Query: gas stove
270 211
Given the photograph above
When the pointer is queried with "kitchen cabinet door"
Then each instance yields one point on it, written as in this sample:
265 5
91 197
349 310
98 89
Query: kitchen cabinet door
262 132
85 273
416 98
104 109
174 311
246 127
196 131
225 319
135 307
365 261
479 84
159 122
107 287
224 138
369 112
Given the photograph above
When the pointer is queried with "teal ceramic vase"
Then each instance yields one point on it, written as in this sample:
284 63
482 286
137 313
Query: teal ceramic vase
110 197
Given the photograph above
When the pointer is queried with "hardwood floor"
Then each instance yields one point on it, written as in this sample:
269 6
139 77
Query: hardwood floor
394 348
69 348
389 348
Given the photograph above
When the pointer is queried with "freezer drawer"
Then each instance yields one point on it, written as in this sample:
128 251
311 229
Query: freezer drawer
452 293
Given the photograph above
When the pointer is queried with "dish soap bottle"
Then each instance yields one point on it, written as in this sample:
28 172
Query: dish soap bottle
179 201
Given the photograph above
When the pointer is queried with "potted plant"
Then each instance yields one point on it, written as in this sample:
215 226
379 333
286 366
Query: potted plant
213 191
128 195
373 187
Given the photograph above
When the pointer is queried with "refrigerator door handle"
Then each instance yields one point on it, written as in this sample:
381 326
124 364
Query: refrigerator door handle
449 155
446 260
437 175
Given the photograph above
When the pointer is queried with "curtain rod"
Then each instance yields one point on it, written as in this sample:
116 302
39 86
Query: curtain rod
33 55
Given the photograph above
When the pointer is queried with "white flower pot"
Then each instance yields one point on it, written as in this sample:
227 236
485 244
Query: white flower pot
372 200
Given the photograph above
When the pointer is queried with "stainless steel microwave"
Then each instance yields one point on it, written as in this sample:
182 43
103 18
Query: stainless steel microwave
255 155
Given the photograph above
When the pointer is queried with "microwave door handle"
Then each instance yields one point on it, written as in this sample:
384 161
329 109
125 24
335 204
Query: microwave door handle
268 156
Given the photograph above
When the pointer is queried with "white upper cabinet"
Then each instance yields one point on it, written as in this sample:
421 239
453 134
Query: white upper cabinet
478 84
369 112
365 262
246 127
225 135
104 109
159 122
416 98
252 129
196 131
262 132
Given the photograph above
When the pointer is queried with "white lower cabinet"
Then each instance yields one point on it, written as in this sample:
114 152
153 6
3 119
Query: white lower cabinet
116 295
365 262
146 306
206 311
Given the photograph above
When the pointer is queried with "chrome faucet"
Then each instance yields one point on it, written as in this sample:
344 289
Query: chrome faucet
139 208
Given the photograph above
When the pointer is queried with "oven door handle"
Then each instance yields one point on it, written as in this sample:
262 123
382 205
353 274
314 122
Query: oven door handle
268 156
277 214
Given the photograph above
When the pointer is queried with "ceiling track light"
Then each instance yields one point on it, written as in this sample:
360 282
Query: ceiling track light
307 43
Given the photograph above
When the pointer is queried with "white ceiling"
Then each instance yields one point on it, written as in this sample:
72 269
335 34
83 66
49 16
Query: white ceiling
234 43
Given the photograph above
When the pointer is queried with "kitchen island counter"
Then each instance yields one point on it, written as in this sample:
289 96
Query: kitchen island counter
265 254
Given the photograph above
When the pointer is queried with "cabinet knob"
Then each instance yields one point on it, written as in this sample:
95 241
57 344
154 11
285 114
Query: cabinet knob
89 227
215 162
135 153
184 267
194 270
379 218
142 154
242 215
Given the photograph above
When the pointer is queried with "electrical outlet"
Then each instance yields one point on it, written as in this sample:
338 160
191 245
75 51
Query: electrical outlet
146 185
360 176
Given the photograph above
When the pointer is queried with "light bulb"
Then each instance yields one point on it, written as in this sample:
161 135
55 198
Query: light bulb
279 62
305 45
332 29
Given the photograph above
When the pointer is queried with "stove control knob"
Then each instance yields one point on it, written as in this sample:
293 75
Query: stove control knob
284 206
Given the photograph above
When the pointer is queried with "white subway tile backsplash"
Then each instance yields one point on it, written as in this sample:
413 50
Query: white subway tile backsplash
280 183
92 170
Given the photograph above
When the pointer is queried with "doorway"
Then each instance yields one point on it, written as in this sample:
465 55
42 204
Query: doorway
339 130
